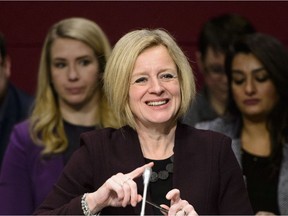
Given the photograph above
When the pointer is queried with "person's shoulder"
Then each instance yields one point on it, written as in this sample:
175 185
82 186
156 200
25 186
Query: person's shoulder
108 139
20 136
217 123
21 99
203 139
201 132
103 136
22 127
20 93
106 132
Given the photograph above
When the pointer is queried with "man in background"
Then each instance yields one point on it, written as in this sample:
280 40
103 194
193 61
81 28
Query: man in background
214 40
14 103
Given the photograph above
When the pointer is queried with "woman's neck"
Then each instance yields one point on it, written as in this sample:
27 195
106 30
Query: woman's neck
86 115
158 142
255 137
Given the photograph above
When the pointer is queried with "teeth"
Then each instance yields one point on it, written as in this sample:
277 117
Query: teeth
156 103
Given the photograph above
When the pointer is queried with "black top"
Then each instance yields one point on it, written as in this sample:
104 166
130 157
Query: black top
159 186
73 135
261 183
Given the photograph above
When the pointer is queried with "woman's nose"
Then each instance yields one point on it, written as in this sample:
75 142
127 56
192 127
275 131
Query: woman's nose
250 87
156 86
73 73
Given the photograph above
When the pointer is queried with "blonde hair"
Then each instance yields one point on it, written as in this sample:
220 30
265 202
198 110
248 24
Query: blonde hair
46 123
120 65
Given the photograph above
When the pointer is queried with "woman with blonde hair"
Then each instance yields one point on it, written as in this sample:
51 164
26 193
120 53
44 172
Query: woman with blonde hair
150 84
69 101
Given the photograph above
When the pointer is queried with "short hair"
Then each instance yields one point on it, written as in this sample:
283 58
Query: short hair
3 49
221 31
119 68
46 126
273 56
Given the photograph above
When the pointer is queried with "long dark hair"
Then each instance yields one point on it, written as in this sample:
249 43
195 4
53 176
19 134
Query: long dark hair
274 57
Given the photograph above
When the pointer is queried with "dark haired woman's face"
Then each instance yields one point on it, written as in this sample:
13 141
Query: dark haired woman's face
253 90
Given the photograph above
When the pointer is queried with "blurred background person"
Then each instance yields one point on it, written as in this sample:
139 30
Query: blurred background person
214 40
69 101
14 103
149 83
257 119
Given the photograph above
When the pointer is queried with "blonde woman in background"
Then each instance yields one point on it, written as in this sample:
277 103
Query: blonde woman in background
69 101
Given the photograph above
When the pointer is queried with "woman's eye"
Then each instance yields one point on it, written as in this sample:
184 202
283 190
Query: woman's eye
262 78
238 81
141 80
167 76
59 64
84 62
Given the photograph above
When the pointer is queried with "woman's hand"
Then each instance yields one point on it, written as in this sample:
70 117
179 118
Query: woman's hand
178 206
119 190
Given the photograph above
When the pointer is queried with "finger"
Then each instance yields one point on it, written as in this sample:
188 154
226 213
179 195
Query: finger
181 212
165 207
139 171
127 193
189 210
129 187
180 208
116 184
130 193
173 195
133 192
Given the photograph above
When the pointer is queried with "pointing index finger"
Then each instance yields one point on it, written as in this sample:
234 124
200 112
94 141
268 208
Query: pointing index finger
139 171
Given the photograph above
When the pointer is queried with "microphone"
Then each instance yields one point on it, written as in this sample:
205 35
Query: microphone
146 177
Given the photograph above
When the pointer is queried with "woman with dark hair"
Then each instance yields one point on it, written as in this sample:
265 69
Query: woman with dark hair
257 118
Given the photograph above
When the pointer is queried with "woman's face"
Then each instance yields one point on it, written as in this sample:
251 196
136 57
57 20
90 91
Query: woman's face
252 88
154 94
74 72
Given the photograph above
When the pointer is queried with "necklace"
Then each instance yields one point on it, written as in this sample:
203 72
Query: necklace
162 169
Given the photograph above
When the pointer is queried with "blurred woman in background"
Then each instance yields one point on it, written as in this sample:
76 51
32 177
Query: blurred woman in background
69 101
257 119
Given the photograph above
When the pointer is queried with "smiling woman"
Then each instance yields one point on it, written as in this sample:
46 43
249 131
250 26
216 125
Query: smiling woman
69 101
150 84
155 94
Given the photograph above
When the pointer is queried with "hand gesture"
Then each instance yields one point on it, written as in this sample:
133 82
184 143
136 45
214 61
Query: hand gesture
178 206
119 190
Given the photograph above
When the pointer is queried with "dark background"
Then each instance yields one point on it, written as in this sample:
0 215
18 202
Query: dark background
25 24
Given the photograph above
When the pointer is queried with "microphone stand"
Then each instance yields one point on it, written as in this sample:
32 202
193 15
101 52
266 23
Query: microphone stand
146 178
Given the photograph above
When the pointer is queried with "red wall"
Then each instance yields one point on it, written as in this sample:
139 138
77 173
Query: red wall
25 24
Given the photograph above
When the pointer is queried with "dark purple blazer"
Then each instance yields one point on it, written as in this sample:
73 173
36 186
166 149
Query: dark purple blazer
205 171
26 178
